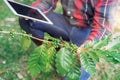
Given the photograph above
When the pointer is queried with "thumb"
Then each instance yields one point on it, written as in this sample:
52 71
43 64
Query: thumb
80 49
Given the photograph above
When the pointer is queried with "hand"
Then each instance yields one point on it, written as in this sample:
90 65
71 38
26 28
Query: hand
82 47
79 50
89 43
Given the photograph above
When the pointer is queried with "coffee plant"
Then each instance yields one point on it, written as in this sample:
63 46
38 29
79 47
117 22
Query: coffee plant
45 61
65 62
54 58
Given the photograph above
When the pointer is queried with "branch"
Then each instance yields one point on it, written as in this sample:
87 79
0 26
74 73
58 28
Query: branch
28 35
22 34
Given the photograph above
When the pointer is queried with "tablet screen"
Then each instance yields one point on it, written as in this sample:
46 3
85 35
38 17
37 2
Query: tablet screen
26 11
23 10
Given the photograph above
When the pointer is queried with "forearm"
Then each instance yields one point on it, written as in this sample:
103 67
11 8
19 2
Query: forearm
102 18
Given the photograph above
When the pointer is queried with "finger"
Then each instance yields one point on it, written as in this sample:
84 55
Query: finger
34 20
79 50
26 19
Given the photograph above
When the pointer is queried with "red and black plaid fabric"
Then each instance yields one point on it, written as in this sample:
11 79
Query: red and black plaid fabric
83 13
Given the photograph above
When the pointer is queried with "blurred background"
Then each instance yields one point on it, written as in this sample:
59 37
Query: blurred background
13 60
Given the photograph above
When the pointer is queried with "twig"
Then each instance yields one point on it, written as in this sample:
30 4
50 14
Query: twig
27 35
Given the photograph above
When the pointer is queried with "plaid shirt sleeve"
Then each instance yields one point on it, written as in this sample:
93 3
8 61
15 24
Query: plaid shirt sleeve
101 18
41 4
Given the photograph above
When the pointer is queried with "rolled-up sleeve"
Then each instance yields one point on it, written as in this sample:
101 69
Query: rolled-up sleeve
102 16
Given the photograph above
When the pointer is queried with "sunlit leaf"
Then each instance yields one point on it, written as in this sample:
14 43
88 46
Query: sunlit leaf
25 43
67 64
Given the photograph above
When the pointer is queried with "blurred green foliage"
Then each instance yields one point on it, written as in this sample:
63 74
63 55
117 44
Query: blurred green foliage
12 58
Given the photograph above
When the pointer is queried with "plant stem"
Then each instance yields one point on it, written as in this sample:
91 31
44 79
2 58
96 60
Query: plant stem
27 35
22 34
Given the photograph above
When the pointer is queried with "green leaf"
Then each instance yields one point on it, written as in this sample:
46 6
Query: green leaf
36 61
116 46
113 44
74 73
105 55
25 43
101 54
67 64
33 64
87 63
41 61
115 57
102 42
63 61
49 64
93 56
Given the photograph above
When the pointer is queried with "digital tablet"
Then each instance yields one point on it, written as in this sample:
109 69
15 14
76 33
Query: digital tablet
27 12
